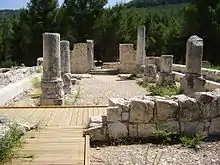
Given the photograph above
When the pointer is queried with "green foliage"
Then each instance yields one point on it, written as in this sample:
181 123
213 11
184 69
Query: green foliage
174 137
193 141
36 82
9 144
167 137
7 64
160 91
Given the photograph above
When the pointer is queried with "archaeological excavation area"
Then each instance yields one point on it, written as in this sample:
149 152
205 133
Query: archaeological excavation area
70 110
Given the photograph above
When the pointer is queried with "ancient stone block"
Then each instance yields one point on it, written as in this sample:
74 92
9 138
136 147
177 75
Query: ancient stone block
215 127
125 116
67 88
166 63
133 130
204 98
90 51
166 79
192 128
121 103
189 109
150 73
96 121
127 58
114 114
170 126
117 130
146 130
166 109
191 84
142 111
96 133
153 60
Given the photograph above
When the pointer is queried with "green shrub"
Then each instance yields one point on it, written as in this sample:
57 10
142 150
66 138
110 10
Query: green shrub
193 141
167 137
9 144
161 91
7 64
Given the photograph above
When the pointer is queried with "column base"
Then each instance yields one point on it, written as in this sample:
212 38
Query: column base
166 79
191 84
51 102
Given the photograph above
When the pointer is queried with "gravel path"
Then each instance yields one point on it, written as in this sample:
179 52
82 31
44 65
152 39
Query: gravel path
151 154
97 90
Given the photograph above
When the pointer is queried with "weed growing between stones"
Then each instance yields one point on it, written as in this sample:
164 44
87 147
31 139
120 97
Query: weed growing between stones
9 144
160 91
193 141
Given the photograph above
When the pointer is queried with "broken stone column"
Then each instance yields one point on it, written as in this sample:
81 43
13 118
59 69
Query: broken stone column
166 77
65 66
52 84
150 73
140 57
90 46
193 81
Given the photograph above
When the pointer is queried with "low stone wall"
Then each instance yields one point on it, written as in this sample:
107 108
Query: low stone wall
8 76
209 85
140 116
111 65
127 58
209 74
10 91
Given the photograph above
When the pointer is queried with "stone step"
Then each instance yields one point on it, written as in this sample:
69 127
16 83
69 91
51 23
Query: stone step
104 72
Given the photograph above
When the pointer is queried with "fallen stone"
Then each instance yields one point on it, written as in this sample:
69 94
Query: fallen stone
97 133
204 97
121 103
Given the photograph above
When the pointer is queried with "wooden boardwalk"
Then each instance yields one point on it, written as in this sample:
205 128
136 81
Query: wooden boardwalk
59 139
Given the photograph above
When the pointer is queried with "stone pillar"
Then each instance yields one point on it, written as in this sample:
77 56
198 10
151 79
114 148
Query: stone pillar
52 84
150 73
90 45
65 66
193 81
140 57
166 77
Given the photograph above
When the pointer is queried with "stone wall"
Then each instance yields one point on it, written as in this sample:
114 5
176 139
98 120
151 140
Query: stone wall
79 59
140 116
127 58
209 74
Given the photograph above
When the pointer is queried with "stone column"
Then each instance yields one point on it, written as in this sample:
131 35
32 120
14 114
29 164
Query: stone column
140 57
52 84
166 77
65 66
90 45
193 81
150 73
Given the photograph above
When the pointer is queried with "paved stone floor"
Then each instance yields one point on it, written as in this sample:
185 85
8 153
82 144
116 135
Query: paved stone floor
97 90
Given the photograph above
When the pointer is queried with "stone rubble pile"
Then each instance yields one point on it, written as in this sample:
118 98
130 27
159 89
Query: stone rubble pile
13 75
140 116
6 125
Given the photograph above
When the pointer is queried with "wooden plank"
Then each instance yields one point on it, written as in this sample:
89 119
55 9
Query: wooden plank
87 150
